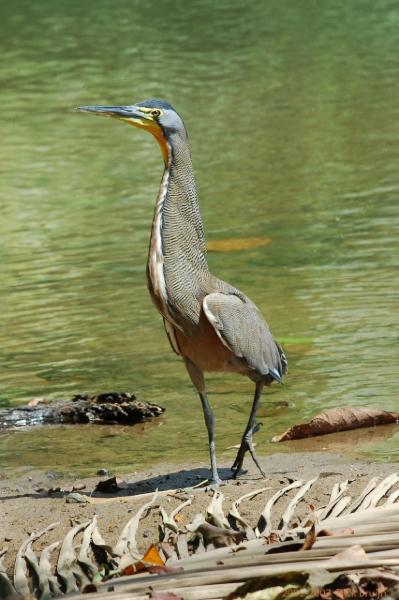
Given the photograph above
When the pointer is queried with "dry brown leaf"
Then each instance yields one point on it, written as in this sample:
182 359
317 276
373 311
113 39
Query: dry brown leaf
235 244
339 419
151 559
310 538
130 569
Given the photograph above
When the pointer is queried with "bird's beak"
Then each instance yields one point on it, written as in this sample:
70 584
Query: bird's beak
131 114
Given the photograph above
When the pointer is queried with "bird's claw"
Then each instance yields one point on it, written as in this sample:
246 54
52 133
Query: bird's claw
246 445
237 465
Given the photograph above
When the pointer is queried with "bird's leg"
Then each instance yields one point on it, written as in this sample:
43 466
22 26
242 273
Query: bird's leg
246 442
209 422
197 377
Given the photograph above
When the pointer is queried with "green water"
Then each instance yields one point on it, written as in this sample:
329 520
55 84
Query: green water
293 113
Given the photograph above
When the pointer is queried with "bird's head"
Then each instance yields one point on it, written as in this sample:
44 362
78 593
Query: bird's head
156 116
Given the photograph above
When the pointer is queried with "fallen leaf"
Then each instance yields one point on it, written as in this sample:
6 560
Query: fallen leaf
338 419
152 556
310 538
150 560
110 486
235 244
130 569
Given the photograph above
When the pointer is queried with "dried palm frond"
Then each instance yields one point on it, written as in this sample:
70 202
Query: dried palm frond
218 552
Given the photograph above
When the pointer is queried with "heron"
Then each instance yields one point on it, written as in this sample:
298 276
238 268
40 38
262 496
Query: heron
211 324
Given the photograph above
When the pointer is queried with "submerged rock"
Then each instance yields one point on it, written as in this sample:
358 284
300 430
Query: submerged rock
108 408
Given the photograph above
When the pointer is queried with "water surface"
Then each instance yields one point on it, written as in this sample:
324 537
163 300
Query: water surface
293 115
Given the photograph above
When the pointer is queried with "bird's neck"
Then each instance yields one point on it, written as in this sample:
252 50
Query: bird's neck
177 264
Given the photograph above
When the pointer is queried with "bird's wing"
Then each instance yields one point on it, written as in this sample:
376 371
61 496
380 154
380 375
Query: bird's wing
241 328
170 332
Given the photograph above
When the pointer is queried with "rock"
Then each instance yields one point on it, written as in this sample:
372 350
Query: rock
112 485
103 472
76 497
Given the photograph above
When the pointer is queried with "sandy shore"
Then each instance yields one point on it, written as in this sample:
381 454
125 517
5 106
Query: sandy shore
26 505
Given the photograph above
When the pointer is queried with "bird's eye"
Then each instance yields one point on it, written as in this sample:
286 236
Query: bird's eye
155 113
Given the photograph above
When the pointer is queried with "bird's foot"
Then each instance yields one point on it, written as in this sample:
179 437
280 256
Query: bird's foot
207 485
246 446
214 484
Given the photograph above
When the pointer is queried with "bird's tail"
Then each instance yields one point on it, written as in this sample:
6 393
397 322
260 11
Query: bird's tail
277 373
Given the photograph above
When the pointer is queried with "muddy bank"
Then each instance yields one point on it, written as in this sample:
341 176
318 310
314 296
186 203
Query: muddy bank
34 501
